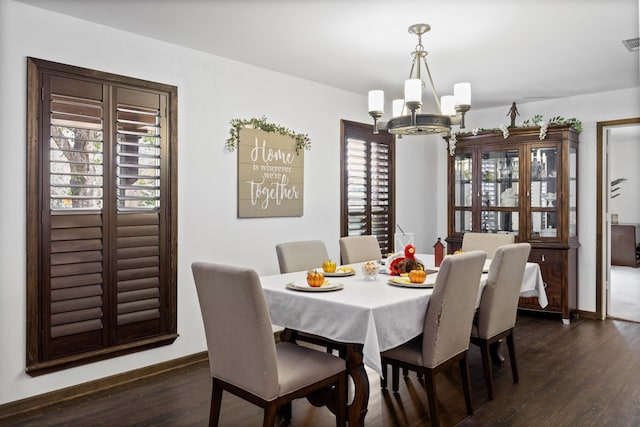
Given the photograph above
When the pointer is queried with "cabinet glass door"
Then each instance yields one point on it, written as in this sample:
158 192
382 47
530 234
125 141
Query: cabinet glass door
573 192
463 192
499 191
544 191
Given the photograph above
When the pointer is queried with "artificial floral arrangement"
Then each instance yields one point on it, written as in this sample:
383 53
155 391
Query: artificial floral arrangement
302 140
537 120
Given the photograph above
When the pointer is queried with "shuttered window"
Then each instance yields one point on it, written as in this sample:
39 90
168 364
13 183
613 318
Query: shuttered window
367 170
101 277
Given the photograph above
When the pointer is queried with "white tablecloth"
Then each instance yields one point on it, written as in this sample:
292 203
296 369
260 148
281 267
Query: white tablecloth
373 313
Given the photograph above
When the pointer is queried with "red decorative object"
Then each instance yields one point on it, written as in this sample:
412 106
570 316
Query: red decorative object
438 252
405 264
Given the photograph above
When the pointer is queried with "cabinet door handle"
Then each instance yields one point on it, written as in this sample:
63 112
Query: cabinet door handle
542 257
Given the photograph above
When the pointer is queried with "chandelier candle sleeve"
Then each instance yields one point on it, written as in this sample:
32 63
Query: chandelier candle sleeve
413 91
447 104
462 93
397 107
376 101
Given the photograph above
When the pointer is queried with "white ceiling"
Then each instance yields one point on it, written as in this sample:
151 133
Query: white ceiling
510 50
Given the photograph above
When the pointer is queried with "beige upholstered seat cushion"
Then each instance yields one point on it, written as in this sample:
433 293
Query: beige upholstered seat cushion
240 340
359 249
300 366
449 313
499 302
301 255
487 242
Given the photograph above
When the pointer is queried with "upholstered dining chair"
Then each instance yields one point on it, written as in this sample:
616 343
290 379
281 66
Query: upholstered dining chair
496 315
243 357
359 249
301 255
448 320
487 242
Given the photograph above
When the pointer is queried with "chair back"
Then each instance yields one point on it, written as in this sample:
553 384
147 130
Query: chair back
301 255
499 301
359 249
238 328
451 308
487 242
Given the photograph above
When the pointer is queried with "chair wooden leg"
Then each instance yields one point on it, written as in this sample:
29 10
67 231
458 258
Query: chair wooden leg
430 379
405 372
383 378
486 365
285 411
395 378
216 402
341 404
466 382
512 357
270 415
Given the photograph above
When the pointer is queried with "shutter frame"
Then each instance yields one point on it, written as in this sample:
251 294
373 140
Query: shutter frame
378 214
66 324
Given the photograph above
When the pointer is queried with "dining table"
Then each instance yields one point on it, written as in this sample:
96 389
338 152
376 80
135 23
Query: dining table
365 315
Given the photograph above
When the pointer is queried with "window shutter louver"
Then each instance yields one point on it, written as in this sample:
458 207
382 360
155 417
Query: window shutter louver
380 215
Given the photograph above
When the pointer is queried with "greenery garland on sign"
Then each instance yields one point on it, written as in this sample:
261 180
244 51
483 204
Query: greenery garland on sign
302 140
536 120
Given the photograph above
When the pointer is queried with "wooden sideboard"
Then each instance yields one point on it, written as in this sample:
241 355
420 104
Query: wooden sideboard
624 244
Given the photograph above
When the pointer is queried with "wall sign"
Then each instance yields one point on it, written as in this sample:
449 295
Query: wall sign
270 175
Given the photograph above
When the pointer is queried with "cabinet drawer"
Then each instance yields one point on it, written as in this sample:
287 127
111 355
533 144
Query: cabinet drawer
552 278
545 256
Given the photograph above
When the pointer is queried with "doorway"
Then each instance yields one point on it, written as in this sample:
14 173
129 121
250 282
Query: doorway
618 217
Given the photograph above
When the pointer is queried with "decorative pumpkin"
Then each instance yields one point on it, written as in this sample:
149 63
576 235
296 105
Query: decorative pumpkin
315 279
417 276
329 266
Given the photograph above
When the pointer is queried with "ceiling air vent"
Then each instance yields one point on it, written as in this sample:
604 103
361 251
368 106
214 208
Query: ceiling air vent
632 44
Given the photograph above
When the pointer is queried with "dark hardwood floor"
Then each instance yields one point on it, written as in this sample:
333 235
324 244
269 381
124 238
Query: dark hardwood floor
583 374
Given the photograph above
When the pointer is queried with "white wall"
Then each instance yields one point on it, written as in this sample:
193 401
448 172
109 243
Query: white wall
624 158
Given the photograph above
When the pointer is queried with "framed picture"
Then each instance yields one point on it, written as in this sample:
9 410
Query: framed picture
270 175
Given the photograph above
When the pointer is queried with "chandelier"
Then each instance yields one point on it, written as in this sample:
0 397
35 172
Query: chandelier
407 116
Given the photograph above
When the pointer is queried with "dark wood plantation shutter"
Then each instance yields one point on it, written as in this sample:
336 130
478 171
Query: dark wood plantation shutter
140 213
102 272
74 240
367 183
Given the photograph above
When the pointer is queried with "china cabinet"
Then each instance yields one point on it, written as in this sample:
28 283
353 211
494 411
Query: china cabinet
525 186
